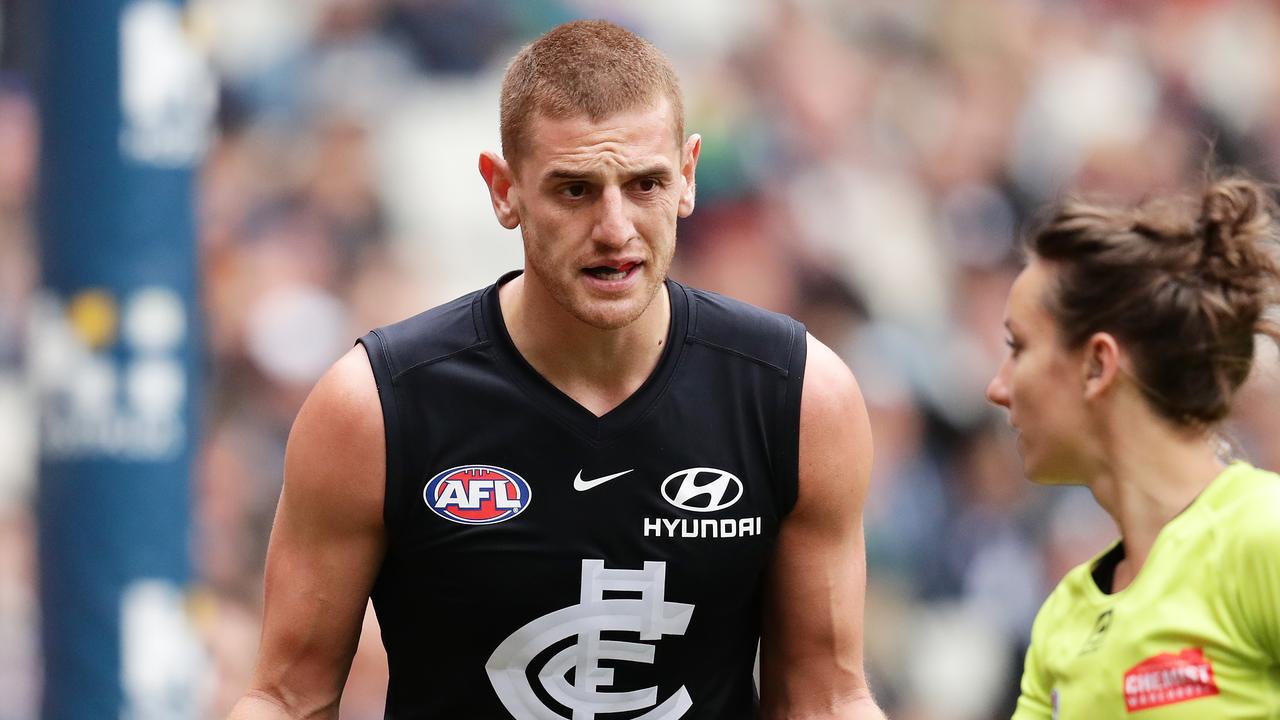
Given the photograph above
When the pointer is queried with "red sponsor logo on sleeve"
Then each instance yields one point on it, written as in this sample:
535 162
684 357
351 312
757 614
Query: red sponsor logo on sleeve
1169 678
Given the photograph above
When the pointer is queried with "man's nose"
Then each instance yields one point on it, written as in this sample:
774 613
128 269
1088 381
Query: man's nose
613 226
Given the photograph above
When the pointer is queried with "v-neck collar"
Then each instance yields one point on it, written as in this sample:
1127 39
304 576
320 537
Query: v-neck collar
551 399
1171 530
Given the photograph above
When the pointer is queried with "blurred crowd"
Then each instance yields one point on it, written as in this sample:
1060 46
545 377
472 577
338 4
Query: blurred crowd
867 167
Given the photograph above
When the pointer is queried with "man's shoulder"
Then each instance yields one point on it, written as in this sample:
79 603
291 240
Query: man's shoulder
429 336
743 329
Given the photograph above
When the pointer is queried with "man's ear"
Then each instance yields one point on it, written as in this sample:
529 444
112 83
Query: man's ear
1100 364
688 170
497 176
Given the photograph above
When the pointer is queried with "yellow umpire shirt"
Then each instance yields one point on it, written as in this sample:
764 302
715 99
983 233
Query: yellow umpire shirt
1195 636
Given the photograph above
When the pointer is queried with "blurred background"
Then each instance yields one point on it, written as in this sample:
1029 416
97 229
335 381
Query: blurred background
867 167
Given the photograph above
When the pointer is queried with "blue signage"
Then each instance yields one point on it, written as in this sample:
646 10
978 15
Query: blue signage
125 106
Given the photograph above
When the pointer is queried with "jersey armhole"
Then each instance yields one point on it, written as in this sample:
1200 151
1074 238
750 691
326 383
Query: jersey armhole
383 375
786 462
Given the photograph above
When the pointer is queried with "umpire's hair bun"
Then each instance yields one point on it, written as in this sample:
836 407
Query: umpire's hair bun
1236 227
1185 284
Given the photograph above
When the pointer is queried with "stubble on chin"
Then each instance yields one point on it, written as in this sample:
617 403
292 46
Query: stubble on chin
611 314
569 292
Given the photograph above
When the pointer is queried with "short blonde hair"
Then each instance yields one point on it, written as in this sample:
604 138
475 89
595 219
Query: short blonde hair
584 67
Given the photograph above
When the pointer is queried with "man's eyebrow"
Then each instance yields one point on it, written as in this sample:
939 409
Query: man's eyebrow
656 170
562 174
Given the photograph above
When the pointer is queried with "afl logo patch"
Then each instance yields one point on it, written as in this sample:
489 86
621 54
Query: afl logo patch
477 494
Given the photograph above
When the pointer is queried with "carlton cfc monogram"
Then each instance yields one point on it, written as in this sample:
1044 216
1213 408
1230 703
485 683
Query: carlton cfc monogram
648 614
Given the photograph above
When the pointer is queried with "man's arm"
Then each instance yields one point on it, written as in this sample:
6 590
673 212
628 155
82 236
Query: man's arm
811 649
326 547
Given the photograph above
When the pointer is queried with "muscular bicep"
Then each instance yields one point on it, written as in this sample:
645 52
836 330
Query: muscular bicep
327 541
811 649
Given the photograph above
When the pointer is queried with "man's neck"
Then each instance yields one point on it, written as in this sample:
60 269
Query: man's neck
598 368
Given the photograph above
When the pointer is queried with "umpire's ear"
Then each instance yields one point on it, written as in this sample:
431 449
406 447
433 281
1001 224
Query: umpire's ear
497 176
1100 364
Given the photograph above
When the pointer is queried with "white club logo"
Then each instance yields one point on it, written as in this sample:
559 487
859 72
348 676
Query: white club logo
110 373
649 615
167 90
684 490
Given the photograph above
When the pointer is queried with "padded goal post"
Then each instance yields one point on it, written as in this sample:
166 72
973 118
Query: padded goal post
125 107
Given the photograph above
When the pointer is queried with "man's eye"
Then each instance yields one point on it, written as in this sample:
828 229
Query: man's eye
574 190
647 184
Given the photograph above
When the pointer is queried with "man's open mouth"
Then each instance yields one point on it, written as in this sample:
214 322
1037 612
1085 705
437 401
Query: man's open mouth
611 272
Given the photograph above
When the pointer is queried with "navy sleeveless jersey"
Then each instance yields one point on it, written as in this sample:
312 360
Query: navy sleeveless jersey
547 564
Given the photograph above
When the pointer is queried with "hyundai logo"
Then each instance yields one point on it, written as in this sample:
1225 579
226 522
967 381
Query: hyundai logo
714 490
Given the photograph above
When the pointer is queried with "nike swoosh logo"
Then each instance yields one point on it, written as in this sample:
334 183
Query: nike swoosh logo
579 484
